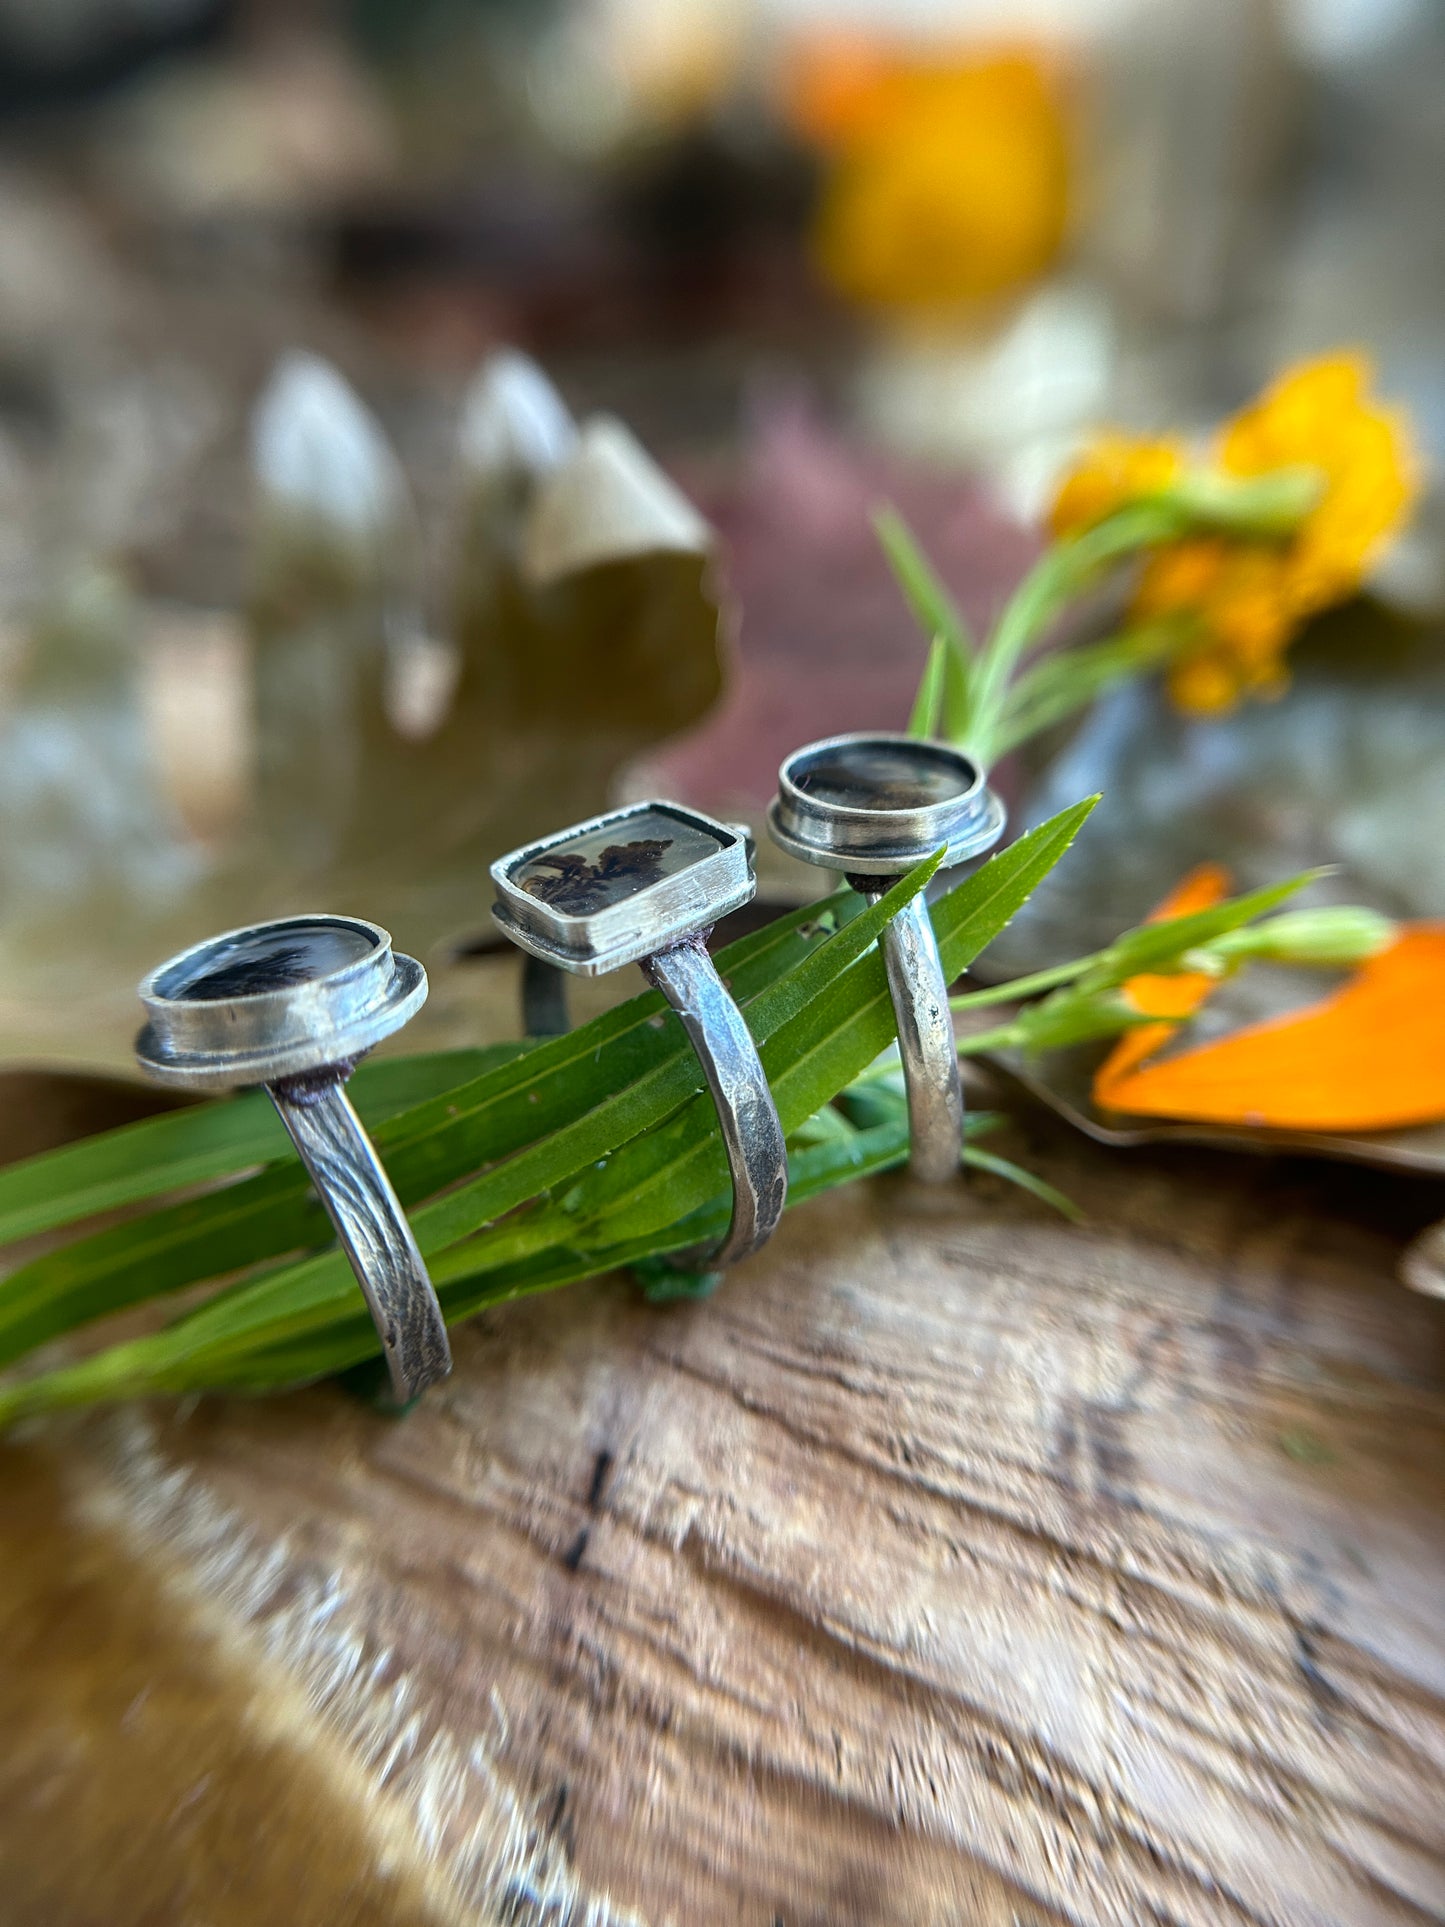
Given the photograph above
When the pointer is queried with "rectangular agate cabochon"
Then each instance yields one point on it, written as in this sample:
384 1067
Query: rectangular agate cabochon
622 886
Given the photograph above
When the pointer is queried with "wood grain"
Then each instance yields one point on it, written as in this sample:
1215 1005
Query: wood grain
950 1567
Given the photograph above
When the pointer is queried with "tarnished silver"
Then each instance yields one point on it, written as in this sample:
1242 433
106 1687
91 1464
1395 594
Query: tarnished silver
872 807
876 805
583 899
926 1041
746 1113
291 1005
644 885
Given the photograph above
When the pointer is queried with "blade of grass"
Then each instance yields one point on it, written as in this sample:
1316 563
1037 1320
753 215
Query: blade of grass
933 608
926 716
1029 1181
351 1340
204 1141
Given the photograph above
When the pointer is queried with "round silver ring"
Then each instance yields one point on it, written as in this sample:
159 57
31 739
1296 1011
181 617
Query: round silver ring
643 885
290 1005
873 806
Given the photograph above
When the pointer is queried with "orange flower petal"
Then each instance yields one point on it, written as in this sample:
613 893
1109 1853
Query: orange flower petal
1178 995
1369 1058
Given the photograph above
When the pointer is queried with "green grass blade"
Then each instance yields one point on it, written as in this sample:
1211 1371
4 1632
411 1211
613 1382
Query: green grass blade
351 1340
1151 946
207 1141
302 1297
932 607
926 717
1026 1180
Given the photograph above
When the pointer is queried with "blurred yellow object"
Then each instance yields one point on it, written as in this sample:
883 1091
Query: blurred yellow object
1115 470
1248 597
1237 591
949 177
1322 414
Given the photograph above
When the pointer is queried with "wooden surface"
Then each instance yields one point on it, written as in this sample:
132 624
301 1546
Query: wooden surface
951 1567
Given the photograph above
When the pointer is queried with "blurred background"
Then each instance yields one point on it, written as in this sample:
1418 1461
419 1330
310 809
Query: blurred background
258 462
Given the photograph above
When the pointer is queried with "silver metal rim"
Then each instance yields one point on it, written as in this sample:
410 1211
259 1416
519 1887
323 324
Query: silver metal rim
882 842
594 943
642 945
230 1043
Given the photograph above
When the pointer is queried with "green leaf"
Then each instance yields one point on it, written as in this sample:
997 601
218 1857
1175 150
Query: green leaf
1061 573
295 1299
933 608
927 712
1026 1180
1050 690
664 1282
1072 1017
945 699
202 1142
1154 947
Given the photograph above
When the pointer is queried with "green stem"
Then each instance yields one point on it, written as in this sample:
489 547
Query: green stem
1261 507
1051 690
1017 987
1001 1037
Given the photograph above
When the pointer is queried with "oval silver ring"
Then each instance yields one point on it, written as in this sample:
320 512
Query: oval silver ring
644 885
872 806
291 1005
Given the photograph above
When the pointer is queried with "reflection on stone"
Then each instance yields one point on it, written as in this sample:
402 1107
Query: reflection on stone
262 960
599 868
881 775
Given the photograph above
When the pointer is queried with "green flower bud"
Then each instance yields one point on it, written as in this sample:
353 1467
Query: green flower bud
1339 935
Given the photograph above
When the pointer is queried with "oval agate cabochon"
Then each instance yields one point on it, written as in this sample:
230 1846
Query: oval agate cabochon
250 963
881 803
275 1000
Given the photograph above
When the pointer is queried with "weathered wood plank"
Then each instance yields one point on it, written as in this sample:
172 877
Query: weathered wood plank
951 1565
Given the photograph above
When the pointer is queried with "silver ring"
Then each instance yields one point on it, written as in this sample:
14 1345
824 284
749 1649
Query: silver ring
872 807
643 885
291 1005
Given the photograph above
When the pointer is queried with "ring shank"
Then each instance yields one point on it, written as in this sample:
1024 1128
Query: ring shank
374 1234
747 1116
926 1039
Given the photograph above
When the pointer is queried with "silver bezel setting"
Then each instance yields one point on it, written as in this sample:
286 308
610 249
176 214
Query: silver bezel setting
216 1044
868 842
599 941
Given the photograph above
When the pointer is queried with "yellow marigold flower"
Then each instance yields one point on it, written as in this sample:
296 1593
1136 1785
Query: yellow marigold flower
949 178
1114 470
1247 598
1320 415
1236 593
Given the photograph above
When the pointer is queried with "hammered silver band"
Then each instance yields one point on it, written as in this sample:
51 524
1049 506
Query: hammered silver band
747 1116
926 1041
373 1232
